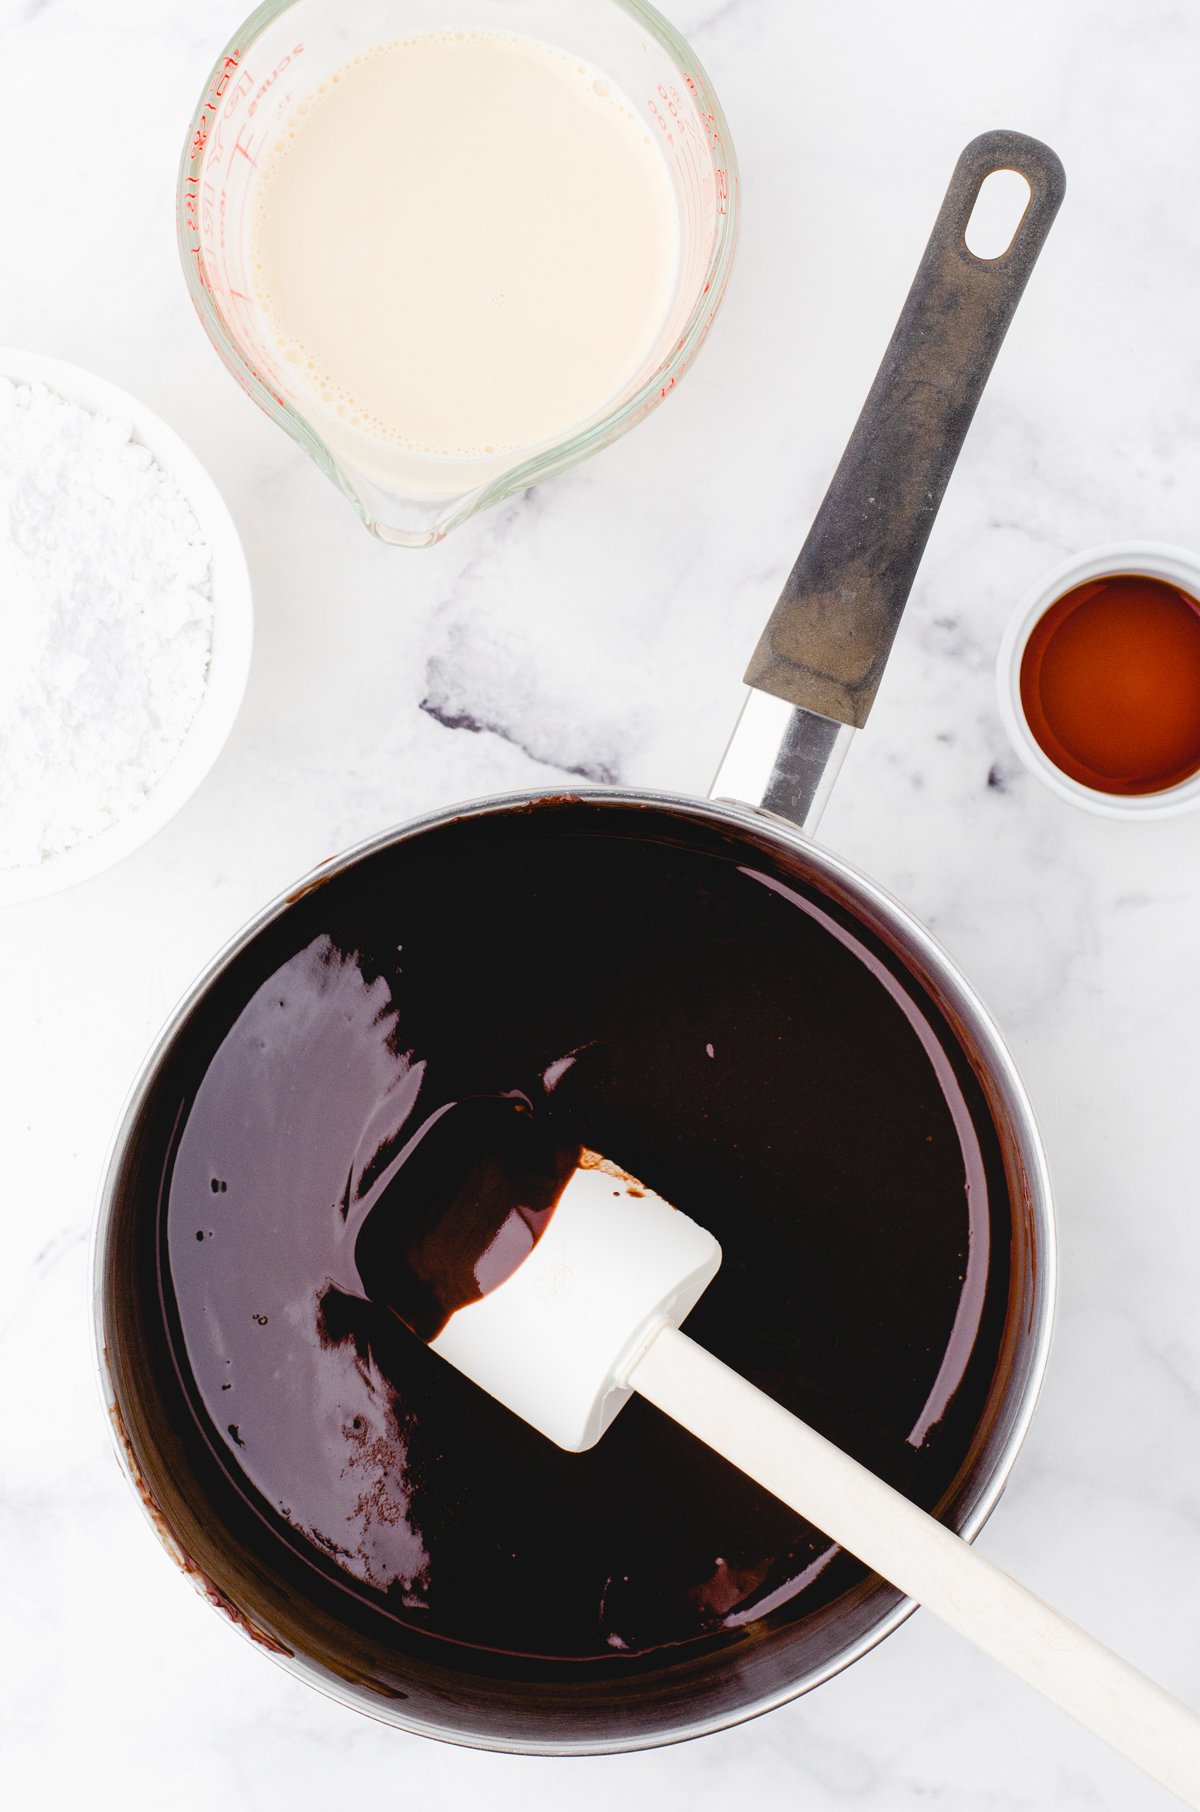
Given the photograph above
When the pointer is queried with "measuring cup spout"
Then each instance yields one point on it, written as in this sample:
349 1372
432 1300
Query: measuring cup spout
415 507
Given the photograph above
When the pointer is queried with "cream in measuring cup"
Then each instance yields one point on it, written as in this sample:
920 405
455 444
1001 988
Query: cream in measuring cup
464 243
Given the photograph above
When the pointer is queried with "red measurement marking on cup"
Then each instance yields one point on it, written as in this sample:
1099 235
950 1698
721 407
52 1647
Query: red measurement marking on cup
211 103
238 94
225 123
209 211
665 110
284 63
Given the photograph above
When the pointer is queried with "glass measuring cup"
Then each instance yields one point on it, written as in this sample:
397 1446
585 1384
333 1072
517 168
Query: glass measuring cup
278 55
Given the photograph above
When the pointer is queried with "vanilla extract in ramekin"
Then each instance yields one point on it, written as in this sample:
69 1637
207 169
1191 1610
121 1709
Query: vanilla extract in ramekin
1099 680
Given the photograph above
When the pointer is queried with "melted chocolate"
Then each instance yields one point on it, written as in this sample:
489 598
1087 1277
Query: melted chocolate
463 1208
654 990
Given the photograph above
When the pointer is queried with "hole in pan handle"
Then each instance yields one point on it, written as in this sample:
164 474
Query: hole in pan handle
830 634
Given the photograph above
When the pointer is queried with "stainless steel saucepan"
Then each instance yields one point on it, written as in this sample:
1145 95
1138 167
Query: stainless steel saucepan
812 680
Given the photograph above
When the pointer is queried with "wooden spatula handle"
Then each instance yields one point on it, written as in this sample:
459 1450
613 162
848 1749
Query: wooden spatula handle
924 1559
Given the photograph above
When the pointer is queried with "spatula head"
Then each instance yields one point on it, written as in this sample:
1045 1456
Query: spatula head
555 1342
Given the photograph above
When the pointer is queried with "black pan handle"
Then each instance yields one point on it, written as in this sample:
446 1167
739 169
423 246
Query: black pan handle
832 630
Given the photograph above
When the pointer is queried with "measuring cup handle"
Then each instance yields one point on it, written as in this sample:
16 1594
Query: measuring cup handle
830 634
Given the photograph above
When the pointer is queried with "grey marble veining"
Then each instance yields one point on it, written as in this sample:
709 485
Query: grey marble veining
598 626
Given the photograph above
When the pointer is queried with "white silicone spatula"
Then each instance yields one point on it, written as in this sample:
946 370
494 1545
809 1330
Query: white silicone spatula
593 1314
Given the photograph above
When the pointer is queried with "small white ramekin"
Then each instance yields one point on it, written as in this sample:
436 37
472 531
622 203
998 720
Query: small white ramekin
232 633
1153 559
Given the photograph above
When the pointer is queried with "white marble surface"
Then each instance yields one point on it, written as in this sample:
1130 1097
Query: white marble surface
601 624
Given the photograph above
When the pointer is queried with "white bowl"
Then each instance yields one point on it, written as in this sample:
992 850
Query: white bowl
232 631
1153 559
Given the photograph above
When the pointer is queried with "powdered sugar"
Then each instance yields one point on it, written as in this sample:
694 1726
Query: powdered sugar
105 623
